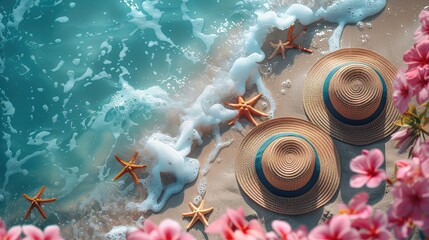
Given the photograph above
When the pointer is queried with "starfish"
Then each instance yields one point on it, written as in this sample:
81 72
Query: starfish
280 48
245 108
36 201
129 167
197 214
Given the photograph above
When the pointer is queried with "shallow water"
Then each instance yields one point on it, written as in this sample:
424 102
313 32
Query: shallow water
82 81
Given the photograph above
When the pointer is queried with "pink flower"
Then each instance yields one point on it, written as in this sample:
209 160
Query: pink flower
408 170
167 230
418 56
299 234
405 138
422 32
411 200
233 225
338 228
13 234
419 79
367 167
402 227
374 228
285 232
402 92
33 233
357 207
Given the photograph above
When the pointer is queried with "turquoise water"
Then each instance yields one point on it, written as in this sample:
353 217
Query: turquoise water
65 110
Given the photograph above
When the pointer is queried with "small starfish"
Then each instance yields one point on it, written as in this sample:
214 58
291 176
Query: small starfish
129 167
36 201
280 48
245 108
197 214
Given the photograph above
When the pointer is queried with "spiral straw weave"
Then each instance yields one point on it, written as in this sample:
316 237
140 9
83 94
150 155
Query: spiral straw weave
348 93
294 150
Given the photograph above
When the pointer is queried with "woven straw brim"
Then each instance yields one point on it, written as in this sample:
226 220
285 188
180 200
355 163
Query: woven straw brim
318 113
324 188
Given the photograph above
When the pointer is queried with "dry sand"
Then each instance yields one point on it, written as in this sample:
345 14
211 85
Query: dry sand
390 35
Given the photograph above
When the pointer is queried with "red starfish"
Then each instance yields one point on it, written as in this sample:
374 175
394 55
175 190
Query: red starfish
280 48
36 201
128 167
245 108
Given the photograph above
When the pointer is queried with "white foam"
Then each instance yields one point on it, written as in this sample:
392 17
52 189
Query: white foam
19 11
13 164
58 67
101 75
72 144
197 27
62 19
141 20
117 233
71 179
184 169
72 81
7 106
348 12
55 118
123 52
76 61
105 45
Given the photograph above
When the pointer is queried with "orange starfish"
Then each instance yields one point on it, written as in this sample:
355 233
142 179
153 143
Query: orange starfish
245 108
36 201
280 48
198 213
129 167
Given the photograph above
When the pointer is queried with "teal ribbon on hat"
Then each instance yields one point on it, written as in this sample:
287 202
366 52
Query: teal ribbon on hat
280 192
340 117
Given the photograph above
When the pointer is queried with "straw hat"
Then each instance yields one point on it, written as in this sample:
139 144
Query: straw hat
288 166
349 94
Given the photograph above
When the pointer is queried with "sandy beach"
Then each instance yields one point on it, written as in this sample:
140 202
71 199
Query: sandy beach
389 33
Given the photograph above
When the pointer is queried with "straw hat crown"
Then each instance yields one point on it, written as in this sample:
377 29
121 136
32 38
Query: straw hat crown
348 93
288 165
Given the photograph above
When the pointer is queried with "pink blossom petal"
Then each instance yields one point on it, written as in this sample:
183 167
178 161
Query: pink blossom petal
236 217
425 168
359 164
218 225
52 233
186 236
282 228
14 233
375 181
376 158
272 236
255 229
32 232
411 58
149 226
169 230
2 229
359 200
358 180
320 232
339 225
380 219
